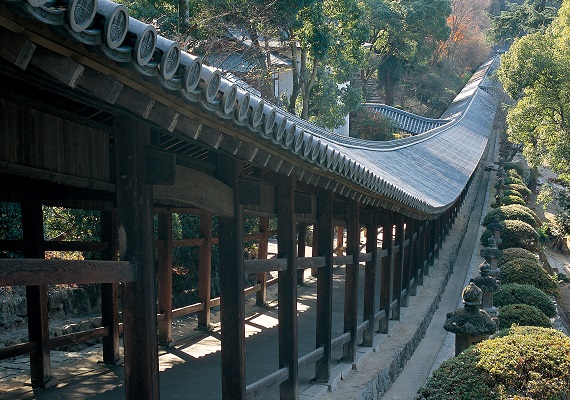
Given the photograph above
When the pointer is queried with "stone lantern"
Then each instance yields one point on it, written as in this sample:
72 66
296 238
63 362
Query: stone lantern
488 286
470 324
492 255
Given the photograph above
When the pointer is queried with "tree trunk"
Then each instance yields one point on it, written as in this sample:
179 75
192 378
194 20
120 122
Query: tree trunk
389 85
296 77
183 18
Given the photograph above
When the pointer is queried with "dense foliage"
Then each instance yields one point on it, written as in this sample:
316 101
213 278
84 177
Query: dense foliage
523 315
521 362
514 234
511 212
528 272
512 166
515 293
522 189
516 252
508 199
370 125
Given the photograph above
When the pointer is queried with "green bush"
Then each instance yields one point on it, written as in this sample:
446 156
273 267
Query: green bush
528 272
530 361
511 166
523 315
512 193
512 212
459 378
522 189
514 234
521 362
507 200
515 252
515 293
509 180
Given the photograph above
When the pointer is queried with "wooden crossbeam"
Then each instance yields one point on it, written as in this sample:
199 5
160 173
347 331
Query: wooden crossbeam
26 271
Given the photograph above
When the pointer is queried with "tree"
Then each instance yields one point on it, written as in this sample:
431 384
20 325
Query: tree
403 34
521 19
536 72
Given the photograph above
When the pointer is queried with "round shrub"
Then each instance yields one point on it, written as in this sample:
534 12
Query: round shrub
506 200
514 234
512 212
515 293
523 315
511 166
459 378
516 252
532 362
522 189
520 362
527 272
512 193
509 180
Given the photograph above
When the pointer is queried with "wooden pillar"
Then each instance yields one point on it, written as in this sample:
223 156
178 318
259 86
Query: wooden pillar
37 298
315 247
301 244
426 247
165 278
408 258
432 242
339 240
351 280
387 269
205 269
232 301
287 297
417 259
437 237
324 247
261 295
370 280
398 266
110 292
134 208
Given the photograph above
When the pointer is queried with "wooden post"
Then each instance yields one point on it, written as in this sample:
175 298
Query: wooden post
417 272
287 297
324 248
165 278
426 247
387 269
432 242
232 301
134 208
398 266
205 269
407 260
437 237
261 295
37 298
301 244
351 280
339 240
110 292
370 280
315 251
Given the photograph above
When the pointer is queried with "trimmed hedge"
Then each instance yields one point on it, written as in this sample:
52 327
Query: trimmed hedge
507 200
510 166
514 193
514 234
522 315
516 252
527 272
522 189
512 212
521 362
509 180
515 293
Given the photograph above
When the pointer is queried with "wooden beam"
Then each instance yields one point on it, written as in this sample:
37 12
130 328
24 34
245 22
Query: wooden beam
16 49
197 189
287 297
100 85
351 281
36 297
387 270
324 248
24 271
64 69
399 257
261 296
231 273
160 167
370 274
134 208
205 269
165 278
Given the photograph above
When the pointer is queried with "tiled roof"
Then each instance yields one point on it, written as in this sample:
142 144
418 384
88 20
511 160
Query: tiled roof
423 174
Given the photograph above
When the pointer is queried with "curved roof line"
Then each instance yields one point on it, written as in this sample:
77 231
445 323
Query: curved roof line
422 174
